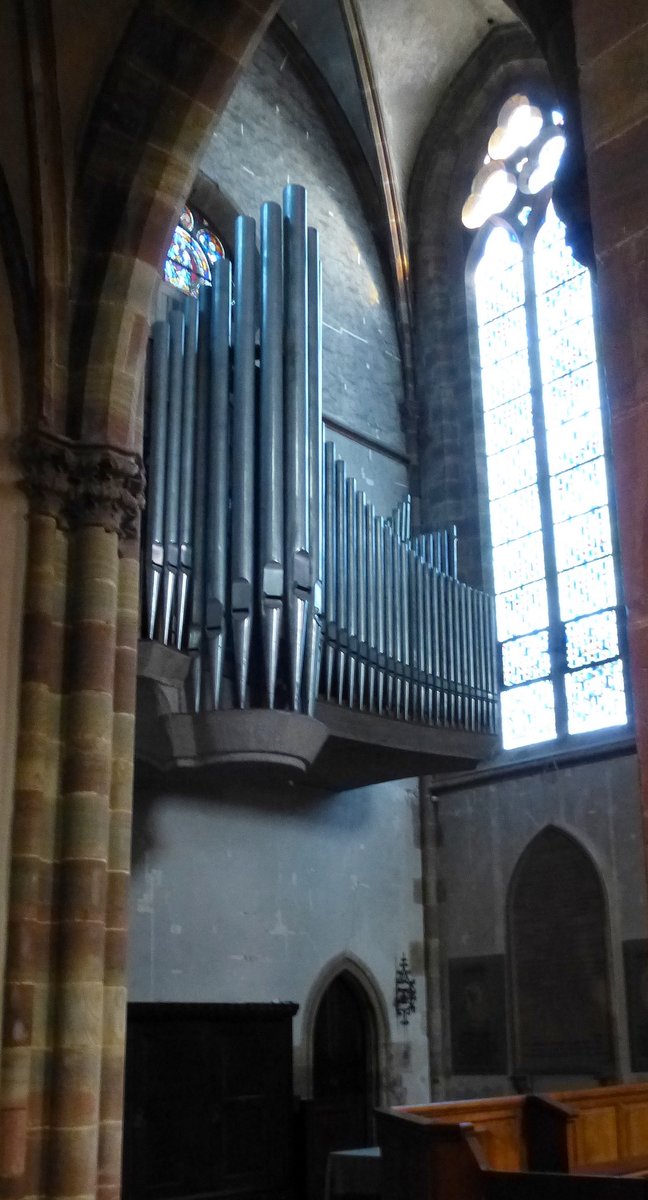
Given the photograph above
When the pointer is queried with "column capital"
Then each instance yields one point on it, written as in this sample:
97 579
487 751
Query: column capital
82 484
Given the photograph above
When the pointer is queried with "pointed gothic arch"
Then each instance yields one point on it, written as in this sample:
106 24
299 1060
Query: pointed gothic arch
558 953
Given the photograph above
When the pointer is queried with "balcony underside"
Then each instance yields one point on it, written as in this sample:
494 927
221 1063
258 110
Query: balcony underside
337 749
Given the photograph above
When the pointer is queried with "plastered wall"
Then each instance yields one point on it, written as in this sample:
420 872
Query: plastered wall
248 895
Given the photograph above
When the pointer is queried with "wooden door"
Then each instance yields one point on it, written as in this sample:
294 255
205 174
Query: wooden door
344 1076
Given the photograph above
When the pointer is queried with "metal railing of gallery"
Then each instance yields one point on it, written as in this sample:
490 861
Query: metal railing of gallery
263 559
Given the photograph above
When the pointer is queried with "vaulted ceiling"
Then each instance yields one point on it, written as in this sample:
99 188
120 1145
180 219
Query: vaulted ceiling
414 49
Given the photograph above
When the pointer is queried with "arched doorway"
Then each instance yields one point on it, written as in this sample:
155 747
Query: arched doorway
557 915
345 1075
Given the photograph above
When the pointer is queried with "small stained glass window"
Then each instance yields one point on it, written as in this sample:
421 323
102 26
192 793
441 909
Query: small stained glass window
194 248
557 603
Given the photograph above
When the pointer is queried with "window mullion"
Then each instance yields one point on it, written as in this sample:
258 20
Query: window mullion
557 644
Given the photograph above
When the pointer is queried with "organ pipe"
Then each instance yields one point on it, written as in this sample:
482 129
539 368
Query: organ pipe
315 454
271 444
172 474
216 541
187 461
157 470
298 563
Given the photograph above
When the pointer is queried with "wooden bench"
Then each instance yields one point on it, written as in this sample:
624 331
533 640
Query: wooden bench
457 1150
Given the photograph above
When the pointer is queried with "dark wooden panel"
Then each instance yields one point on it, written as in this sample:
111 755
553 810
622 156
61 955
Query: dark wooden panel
635 959
478 1015
208 1108
509 1185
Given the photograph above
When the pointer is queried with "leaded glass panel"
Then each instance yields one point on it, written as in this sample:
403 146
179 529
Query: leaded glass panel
508 424
567 350
596 697
186 266
526 658
211 245
513 516
553 261
567 302
512 470
528 715
591 639
571 396
192 251
499 276
506 379
585 589
522 611
518 563
503 336
575 442
583 538
576 491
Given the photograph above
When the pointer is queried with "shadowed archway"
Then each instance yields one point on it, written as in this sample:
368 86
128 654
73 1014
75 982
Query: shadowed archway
558 953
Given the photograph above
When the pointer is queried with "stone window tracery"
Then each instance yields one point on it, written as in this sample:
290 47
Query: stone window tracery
552 537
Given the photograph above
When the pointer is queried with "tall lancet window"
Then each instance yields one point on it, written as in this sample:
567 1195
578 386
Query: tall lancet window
548 482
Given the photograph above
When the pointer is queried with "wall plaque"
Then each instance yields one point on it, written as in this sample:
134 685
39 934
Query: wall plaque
478 1015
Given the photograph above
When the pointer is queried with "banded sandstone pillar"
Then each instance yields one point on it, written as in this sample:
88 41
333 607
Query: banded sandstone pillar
60 1108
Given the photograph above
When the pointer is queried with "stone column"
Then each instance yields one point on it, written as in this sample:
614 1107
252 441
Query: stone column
119 855
60 1106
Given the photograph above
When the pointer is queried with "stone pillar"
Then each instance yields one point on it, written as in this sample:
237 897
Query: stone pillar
612 48
119 855
60 1106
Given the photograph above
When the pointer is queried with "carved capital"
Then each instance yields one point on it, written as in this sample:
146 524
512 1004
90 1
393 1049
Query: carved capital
82 484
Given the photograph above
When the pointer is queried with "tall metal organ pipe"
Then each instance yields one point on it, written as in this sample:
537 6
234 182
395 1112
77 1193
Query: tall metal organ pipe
159 410
298 565
197 622
330 542
315 459
187 461
216 602
243 440
271 444
172 477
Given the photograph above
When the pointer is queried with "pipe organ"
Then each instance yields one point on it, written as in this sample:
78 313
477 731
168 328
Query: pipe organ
264 562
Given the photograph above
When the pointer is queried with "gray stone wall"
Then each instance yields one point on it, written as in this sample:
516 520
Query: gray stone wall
480 832
271 134
241 895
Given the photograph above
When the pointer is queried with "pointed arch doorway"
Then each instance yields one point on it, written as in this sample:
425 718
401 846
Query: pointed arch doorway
345 1074
558 950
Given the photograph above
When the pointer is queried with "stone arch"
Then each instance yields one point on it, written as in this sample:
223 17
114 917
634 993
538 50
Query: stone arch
168 83
558 926
353 966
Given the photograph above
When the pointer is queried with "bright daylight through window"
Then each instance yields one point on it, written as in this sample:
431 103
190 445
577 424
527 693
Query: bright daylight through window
554 571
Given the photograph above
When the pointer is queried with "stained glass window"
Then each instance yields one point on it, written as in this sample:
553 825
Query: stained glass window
194 247
557 602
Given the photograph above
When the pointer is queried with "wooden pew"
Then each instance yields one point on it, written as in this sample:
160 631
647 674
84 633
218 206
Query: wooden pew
611 1123
457 1150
